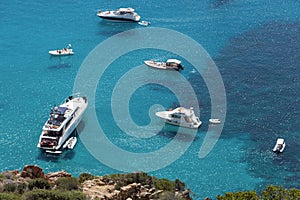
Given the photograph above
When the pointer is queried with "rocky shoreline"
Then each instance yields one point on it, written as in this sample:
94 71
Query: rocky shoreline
132 186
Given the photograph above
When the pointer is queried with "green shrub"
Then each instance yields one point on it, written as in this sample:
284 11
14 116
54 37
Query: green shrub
9 196
67 183
269 193
2 177
39 183
179 185
53 195
21 188
85 176
294 193
241 195
9 187
164 184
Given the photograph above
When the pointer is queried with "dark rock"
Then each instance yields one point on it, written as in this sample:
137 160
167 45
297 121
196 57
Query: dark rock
32 171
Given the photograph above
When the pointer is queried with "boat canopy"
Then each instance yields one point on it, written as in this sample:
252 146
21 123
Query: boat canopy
280 140
126 10
174 61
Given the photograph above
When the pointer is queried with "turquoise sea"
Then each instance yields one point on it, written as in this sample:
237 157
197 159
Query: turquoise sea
255 45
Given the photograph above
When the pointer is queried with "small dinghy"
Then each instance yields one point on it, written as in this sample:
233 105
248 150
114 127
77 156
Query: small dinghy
62 52
279 146
144 23
70 143
215 121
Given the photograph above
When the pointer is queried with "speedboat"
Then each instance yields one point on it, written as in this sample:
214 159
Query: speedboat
62 122
170 64
70 143
144 23
215 121
279 146
62 52
122 14
180 117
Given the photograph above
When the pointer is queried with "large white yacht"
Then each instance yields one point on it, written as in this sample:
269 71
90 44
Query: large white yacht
180 117
122 14
62 122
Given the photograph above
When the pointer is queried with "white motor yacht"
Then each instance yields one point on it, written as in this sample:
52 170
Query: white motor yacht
279 146
180 117
62 52
62 122
170 64
122 14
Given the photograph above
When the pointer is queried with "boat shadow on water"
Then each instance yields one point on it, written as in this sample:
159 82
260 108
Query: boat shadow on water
59 66
171 133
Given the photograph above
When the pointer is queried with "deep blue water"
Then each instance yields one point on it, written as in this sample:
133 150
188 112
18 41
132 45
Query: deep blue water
255 45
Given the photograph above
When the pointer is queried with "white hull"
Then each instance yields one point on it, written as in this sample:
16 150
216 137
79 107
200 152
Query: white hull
180 117
79 104
123 14
279 146
159 65
61 52
215 121
144 23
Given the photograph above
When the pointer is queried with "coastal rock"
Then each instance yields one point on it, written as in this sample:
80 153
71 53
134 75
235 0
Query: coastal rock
156 194
185 194
32 171
97 189
129 191
53 176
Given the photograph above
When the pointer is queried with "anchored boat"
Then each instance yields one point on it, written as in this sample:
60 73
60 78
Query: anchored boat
121 15
62 52
279 146
62 122
180 117
170 64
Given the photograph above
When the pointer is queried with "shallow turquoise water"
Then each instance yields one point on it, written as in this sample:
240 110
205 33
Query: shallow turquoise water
254 44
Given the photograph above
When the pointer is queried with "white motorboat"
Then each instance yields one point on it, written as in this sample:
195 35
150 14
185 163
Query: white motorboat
215 121
62 52
144 23
62 122
279 146
180 117
170 64
70 143
122 14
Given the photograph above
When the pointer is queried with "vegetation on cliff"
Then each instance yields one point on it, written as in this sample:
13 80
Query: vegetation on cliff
271 192
33 184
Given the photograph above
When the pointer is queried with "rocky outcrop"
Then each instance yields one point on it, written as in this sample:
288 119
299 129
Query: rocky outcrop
98 189
32 171
53 176
134 186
